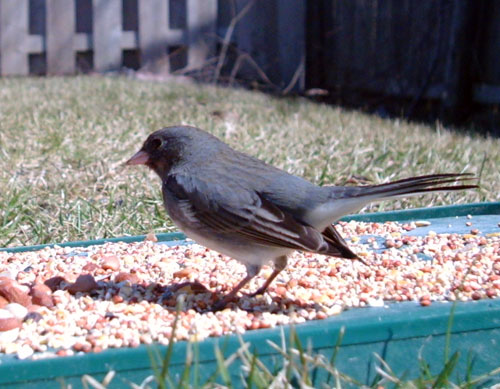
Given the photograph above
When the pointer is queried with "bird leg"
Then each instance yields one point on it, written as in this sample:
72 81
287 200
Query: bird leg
279 265
252 271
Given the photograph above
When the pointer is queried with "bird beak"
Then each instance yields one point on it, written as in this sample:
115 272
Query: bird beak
139 158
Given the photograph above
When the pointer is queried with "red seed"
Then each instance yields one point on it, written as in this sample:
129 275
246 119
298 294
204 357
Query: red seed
130 277
491 293
54 282
389 243
9 323
183 273
305 283
90 267
117 299
41 295
12 291
110 262
84 283
281 291
151 237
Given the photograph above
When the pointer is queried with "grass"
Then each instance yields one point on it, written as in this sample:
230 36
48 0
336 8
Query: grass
62 142
299 367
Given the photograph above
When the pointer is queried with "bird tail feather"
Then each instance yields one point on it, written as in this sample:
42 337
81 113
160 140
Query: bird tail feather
416 185
350 199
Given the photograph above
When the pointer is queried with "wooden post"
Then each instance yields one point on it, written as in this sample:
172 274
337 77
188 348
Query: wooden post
201 22
107 34
152 34
14 37
60 31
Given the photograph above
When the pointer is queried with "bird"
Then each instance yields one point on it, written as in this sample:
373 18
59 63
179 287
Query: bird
253 212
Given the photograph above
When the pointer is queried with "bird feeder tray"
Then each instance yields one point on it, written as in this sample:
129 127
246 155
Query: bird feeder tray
400 333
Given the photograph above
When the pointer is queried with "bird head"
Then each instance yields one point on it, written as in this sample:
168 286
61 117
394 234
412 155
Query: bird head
171 146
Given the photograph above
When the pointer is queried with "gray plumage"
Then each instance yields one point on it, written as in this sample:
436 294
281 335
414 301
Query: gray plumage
252 211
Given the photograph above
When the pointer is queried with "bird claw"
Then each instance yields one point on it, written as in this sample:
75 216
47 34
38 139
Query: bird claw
166 296
256 293
218 306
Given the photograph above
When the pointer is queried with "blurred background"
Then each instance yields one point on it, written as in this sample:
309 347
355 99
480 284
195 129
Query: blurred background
417 59
344 92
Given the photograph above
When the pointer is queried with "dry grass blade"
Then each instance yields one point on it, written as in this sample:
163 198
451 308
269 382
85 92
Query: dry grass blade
89 380
62 141
227 38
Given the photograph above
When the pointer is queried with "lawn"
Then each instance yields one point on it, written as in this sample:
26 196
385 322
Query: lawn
63 142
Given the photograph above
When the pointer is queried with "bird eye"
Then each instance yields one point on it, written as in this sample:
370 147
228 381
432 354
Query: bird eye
155 144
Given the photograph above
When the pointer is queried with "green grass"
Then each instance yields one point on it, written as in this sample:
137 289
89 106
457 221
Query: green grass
63 140
300 367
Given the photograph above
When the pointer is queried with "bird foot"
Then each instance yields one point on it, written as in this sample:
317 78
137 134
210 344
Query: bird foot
223 302
220 305
258 292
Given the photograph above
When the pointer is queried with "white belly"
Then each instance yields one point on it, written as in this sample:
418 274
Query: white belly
248 254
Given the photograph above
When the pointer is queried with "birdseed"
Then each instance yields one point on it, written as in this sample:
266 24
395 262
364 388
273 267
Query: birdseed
60 301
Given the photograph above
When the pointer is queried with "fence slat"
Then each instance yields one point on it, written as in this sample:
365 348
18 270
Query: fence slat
60 34
487 94
13 37
201 21
292 42
458 81
344 31
129 40
152 34
383 42
35 44
107 31
490 60
82 41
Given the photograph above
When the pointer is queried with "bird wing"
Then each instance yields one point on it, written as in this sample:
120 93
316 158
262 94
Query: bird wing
248 214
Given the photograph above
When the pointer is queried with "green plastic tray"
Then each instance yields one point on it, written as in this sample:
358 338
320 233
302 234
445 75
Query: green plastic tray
399 333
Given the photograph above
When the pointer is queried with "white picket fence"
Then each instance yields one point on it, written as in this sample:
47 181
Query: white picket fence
60 43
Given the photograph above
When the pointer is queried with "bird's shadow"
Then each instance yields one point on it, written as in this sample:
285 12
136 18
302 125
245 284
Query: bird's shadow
193 294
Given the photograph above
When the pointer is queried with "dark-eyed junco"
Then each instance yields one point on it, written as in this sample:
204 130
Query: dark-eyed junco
254 212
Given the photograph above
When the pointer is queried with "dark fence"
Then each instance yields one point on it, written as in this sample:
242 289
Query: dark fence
446 50
413 50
